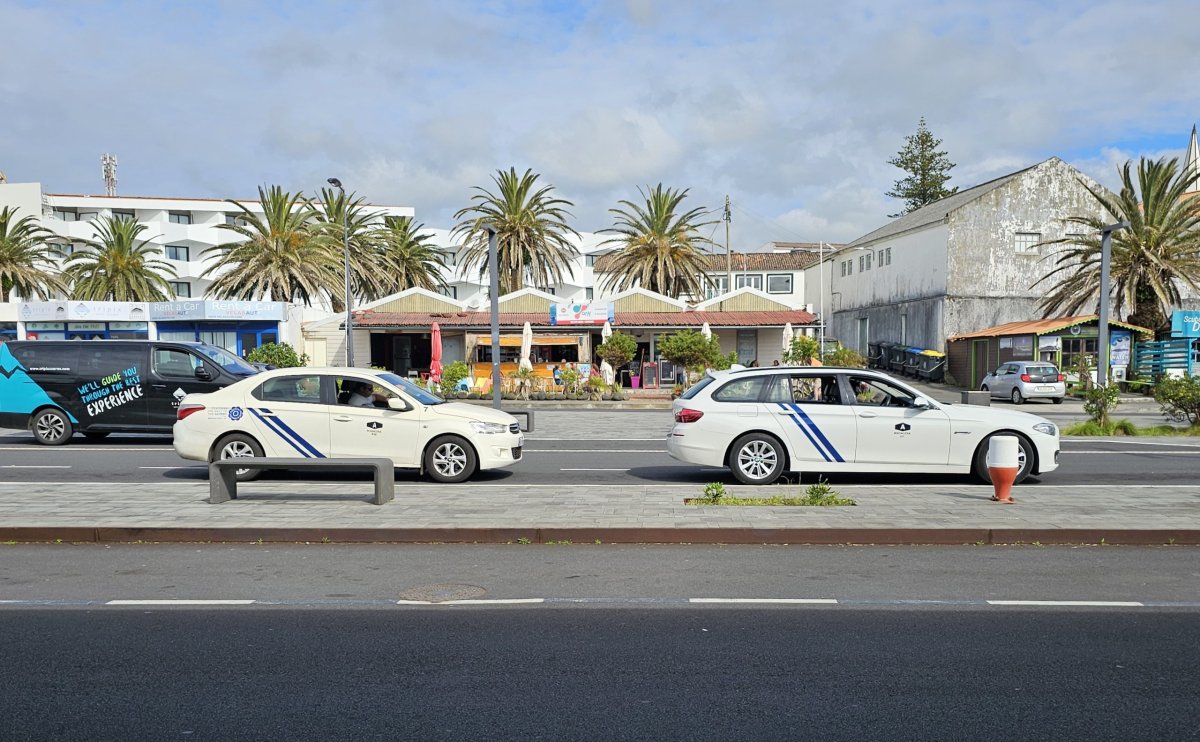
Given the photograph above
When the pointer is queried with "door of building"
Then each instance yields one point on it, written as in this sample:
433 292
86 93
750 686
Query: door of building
979 362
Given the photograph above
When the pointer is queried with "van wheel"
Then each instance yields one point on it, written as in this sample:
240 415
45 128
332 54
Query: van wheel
237 446
1025 457
756 459
51 427
450 460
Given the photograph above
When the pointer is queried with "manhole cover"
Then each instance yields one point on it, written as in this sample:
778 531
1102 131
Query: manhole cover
441 593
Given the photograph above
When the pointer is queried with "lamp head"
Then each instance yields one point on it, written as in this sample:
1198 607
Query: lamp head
334 182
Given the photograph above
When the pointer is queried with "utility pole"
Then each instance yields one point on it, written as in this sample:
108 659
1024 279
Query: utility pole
494 291
728 255
821 292
1102 348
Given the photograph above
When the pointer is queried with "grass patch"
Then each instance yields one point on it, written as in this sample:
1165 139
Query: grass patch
819 494
1127 428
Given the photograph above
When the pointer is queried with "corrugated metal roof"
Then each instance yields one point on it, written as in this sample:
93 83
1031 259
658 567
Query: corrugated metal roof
938 210
754 261
1045 326
540 320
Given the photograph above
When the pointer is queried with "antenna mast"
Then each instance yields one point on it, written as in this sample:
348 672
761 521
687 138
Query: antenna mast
108 167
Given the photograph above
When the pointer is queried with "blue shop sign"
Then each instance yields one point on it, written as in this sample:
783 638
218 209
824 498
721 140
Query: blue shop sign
1185 323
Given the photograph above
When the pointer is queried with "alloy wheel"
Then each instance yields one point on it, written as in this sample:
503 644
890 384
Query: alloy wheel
449 459
757 459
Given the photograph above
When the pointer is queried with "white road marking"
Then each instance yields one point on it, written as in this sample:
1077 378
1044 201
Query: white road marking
179 602
181 466
578 439
1126 442
34 466
780 601
595 450
498 601
1099 603
593 469
84 449
1141 453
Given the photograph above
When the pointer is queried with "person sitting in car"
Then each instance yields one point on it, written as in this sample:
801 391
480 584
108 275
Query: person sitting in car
363 394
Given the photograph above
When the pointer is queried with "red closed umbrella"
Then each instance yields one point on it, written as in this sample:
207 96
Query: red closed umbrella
435 353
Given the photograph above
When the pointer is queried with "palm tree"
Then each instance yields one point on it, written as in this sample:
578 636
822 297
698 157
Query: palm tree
404 259
660 245
27 258
532 235
333 212
117 266
1150 261
281 256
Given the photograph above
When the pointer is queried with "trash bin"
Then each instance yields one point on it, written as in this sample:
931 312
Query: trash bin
912 361
895 358
933 365
873 354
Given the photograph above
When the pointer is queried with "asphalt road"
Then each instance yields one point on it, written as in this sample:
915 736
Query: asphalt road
585 457
330 654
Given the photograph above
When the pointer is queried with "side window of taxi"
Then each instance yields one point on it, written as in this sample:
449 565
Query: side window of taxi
877 393
741 390
304 389
805 389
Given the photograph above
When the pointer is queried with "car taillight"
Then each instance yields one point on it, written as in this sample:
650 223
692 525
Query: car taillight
1025 378
187 409
688 416
1061 377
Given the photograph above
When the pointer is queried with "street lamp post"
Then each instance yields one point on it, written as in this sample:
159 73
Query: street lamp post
494 297
1102 348
821 291
346 256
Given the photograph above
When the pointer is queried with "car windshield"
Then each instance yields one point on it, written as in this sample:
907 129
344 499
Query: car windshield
226 360
419 393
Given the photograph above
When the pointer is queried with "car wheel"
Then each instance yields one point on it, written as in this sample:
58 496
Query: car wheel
984 388
51 427
1016 397
1057 400
1025 457
756 459
96 435
450 460
238 446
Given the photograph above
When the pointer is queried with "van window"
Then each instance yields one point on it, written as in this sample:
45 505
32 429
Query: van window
98 361
172 363
47 357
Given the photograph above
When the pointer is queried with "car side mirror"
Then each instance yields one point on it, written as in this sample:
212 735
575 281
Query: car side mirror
202 374
921 403
395 403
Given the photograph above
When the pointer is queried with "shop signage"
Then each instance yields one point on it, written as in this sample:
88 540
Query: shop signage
581 313
167 311
1185 323
83 311
1119 346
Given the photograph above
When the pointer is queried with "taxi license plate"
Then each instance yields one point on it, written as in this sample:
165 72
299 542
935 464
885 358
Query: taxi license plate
1045 388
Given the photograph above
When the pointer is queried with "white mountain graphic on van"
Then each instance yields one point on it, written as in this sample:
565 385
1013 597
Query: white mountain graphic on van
18 392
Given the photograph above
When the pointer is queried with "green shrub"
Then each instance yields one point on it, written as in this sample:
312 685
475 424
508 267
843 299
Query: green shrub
845 358
618 350
802 352
714 491
453 374
689 349
279 355
1099 401
1180 398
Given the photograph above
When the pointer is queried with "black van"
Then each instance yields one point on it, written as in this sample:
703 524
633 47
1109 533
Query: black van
58 387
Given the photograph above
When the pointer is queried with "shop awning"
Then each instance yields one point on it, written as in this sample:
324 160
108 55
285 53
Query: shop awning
515 340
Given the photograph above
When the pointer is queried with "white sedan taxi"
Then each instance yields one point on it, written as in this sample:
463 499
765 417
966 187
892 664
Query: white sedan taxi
761 423
339 413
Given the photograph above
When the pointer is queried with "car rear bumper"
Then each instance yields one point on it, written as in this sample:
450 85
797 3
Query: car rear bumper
1043 391
190 444
688 450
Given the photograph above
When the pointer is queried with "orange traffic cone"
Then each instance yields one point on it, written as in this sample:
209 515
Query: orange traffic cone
1003 466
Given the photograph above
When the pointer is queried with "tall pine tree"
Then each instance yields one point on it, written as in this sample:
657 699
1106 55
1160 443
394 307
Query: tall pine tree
927 168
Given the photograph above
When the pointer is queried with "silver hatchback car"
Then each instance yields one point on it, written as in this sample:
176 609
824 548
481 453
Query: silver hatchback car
1022 380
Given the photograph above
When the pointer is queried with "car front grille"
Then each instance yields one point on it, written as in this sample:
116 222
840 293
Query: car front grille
514 428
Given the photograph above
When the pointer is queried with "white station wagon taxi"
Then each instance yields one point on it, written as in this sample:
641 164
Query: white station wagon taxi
763 422
340 412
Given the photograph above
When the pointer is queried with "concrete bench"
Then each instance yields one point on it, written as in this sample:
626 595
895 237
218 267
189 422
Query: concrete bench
222 475
528 418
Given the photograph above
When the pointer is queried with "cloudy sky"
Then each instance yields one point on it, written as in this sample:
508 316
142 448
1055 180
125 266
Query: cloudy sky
790 108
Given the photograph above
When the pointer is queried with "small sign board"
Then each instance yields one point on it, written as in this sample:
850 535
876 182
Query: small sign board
581 313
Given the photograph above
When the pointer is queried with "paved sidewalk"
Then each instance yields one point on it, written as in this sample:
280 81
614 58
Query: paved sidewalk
291 510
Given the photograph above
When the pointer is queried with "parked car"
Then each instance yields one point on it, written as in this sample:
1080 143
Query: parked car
56 388
761 423
1022 380
310 413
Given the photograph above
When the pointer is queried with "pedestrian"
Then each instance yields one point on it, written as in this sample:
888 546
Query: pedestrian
754 363
776 362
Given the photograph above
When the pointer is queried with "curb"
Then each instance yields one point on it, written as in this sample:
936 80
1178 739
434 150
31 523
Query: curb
781 536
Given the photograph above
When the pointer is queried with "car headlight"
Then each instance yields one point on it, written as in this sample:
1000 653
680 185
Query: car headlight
1047 428
489 428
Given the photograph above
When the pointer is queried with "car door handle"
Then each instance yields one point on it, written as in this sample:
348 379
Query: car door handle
343 418
867 414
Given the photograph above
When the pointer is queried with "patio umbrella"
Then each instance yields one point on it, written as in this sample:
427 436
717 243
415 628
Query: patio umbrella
606 373
788 334
706 331
435 353
605 332
526 347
